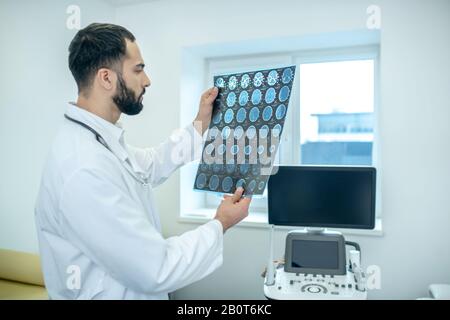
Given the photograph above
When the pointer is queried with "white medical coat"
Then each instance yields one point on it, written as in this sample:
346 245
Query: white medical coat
99 231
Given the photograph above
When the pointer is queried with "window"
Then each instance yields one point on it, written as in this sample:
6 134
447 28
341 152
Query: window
331 119
336 112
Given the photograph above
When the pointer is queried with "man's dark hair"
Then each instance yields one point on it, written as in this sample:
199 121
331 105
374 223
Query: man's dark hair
99 45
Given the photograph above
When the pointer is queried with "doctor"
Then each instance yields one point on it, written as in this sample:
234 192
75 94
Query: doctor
98 228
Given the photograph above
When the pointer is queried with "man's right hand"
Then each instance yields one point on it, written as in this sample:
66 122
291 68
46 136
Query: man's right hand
233 209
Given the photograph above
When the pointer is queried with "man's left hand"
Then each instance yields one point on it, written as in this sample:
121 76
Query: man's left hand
201 122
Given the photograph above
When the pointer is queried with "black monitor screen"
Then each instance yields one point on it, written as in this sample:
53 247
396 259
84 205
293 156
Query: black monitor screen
340 197
315 254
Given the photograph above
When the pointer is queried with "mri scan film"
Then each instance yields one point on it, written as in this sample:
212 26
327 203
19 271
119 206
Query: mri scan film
245 130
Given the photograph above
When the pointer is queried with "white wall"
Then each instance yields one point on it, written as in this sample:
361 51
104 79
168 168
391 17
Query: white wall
35 85
414 113
415 45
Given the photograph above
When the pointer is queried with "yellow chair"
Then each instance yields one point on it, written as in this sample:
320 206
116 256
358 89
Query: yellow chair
21 276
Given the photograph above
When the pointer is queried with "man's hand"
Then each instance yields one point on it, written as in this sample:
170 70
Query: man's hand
233 209
201 122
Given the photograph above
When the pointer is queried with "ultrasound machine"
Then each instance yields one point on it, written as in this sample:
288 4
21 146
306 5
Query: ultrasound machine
315 198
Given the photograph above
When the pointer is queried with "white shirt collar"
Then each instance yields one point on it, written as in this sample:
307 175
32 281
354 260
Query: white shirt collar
111 133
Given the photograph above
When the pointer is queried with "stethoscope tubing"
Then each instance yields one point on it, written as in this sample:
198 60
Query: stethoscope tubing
102 141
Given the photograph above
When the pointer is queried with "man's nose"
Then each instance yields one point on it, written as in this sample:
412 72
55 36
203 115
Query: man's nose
147 81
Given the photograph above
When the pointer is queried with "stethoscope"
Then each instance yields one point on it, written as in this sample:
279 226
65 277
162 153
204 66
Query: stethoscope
99 138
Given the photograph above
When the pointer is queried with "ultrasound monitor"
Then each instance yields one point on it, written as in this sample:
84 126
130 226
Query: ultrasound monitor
309 253
322 196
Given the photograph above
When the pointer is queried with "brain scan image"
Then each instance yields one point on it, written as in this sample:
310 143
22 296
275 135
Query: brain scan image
241 114
232 83
220 83
284 93
216 168
251 185
238 132
261 149
213 182
240 183
254 114
267 113
230 168
227 183
276 131
245 81
258 79
201 181
243 98
213 132
245 130
209 149
261 185
229 115
231 99
243 168
264 131
226 132
270 95
251 132
256 97
281 111
288 75
272 78
217 117
221 149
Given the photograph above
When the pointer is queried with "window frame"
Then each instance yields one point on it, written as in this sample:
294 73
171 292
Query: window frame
331 55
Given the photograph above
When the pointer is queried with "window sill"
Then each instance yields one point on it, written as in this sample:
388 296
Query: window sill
259 220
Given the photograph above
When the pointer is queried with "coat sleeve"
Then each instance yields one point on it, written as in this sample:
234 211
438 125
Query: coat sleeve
101 219
159 163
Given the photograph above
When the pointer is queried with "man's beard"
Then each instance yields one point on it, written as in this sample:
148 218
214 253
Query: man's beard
125 99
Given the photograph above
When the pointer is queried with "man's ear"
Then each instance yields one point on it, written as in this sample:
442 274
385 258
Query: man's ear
106 78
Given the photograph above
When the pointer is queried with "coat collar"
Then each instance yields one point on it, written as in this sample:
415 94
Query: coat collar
113 134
